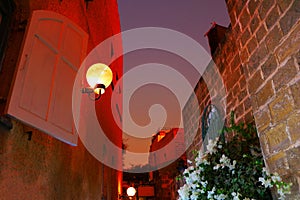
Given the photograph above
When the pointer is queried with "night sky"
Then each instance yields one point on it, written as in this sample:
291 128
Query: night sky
193 18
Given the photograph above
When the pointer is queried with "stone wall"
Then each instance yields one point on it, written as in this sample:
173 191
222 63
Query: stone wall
37 166
236 99
272 71
259 62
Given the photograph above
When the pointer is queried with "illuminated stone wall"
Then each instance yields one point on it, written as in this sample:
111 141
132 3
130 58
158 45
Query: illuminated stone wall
261 56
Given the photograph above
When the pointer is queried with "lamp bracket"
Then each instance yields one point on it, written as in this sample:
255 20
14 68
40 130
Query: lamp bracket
90 91
87 90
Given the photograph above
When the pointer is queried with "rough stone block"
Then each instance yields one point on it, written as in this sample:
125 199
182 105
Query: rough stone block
239 111
232 17
232 79
290 45
262 119
252 6
264 94
294 159
291 17
272 17
242 81
273 38
296 93
277 163
261 32
239 6
260 53
236 62
244 19
263 144
265 7
277 138
252 44
255 82
244 55
245 37
281 106
236 89
247 104
293 124
230 4
297 56
285 74
269 67
242 95
283 4
248 117
254 23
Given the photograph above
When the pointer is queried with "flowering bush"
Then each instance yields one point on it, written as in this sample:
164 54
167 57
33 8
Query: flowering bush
231 170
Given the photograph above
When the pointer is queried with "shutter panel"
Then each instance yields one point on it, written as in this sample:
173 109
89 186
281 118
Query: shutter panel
42 93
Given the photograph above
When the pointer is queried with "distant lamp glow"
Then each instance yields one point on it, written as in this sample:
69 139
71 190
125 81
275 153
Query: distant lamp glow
99 76
131 191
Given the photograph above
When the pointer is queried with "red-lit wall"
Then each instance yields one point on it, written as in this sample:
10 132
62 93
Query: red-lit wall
43 167
173 150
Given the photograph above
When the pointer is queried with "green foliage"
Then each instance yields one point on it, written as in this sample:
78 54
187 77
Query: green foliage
232 168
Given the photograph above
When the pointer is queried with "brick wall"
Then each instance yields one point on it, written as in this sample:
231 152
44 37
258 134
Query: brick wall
272 73
41 167
259 60
233 82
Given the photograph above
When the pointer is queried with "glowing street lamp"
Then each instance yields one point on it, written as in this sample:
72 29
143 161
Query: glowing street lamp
98 76
131 191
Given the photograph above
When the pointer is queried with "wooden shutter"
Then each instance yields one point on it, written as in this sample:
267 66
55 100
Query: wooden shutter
42 93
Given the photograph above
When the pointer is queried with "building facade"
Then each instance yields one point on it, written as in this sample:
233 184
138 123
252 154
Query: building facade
37 159
165 178
259 63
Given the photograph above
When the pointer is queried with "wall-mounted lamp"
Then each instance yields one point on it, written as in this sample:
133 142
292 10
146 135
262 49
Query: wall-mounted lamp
99 76
131 191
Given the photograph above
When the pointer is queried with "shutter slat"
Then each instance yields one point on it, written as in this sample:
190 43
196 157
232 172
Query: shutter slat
42 93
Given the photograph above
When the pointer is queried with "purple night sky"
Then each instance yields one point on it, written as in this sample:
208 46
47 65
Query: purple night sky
193 18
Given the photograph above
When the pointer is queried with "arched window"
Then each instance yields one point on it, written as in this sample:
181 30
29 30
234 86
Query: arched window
211 124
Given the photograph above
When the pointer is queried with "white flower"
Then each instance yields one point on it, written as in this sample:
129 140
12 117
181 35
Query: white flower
189 162
205 162
192 178
220 197
216 167
183 192
188 170
194 196
281 193
203 183
235 196
232 167
211 146
275 177
265 171
266 183
210 194
198 160
225 161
